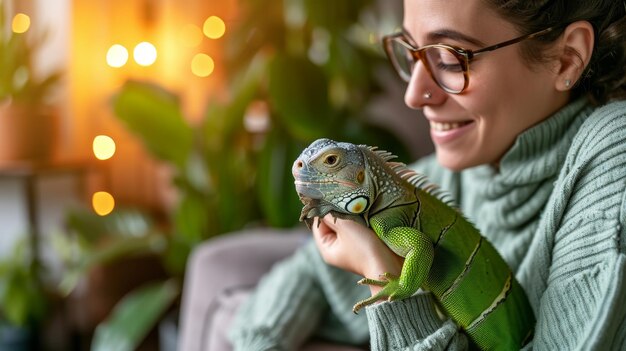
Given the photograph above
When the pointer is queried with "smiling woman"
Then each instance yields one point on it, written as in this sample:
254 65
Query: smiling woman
488 116
527 109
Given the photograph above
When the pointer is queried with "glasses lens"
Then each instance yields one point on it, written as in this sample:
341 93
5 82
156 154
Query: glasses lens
401 58
446 68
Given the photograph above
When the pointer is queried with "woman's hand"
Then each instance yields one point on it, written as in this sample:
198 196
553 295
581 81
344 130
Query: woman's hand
351 246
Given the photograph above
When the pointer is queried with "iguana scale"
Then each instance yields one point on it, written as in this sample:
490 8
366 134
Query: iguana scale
444 253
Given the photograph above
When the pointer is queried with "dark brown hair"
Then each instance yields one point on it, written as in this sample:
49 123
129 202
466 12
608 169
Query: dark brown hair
604 78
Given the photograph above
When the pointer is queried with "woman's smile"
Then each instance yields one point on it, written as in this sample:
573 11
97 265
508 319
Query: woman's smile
444 132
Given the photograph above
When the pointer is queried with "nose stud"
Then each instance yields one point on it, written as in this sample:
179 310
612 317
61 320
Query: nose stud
427 95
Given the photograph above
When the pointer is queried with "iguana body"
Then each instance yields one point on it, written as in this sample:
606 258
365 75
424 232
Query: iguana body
443 252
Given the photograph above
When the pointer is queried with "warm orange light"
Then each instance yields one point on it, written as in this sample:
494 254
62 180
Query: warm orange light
202 65
191 35
145 53
214 27
103 203
21 23
103 147
117 56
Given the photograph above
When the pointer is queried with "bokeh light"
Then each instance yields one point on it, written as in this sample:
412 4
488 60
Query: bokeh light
103 147
117 56
21 23
145 53
202 65
103 203
214 27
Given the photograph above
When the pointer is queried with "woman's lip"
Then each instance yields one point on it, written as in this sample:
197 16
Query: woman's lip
444 132
444 126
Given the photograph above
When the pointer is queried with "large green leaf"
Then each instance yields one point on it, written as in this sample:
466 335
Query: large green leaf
115 249
134 316
276 191
223 121
299 94
235 195
154 115
21 297
334 15
124 222
192 217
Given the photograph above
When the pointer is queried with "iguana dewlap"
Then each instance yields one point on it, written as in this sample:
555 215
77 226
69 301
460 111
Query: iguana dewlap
444 253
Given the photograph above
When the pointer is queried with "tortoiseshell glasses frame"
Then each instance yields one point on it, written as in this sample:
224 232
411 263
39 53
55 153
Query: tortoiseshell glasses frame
448 65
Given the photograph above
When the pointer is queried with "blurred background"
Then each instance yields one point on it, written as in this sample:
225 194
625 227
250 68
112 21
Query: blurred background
133 130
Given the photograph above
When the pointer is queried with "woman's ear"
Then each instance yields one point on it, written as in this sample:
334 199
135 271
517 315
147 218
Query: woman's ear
575 53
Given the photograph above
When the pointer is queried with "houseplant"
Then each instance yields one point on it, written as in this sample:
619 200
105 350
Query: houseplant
27 121
110 256
22 300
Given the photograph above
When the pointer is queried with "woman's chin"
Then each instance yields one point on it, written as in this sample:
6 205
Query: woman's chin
455 161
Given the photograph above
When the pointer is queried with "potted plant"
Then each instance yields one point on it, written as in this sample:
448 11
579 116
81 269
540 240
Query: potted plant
26 119
22 300
109 257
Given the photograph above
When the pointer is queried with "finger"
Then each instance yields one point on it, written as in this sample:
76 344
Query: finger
323 234
346 228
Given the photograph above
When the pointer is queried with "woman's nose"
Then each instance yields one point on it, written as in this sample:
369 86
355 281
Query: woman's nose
421 90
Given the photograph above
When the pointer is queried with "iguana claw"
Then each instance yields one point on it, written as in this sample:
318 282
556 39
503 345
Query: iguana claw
391 288
384 279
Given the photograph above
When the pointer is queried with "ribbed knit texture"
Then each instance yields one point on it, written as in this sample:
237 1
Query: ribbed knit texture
429 330
556 211
301 297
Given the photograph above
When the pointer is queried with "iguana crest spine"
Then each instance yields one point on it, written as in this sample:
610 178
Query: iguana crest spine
416 179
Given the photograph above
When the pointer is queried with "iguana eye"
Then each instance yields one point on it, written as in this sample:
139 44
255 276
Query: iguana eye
330 160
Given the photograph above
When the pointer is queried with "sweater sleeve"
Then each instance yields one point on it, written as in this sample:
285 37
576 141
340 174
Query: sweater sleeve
412 324
581 293
284 309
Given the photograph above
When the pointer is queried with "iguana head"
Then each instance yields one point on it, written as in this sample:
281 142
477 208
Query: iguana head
331 177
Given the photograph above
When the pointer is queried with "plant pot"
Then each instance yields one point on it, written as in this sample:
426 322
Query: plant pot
26 133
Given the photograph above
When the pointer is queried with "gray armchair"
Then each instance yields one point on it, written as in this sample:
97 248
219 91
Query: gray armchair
220 275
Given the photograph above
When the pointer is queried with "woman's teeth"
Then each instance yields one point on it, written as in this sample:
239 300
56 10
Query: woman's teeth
442 127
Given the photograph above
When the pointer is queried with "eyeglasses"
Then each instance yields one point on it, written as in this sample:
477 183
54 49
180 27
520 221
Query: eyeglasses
448 65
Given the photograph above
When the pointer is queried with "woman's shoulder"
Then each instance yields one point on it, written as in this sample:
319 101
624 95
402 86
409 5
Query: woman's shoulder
601 138
593 179
588 203
605 126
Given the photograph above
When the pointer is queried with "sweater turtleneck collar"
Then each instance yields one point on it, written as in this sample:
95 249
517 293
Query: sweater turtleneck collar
539 152
510 200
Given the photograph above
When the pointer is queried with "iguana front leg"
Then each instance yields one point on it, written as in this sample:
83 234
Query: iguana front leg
418 252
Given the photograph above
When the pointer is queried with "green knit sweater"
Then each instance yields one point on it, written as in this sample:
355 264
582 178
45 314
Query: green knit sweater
555 210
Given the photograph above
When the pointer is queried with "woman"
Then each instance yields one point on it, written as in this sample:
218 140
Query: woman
525 101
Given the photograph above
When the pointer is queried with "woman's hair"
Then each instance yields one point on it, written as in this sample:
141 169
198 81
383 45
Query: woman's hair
604 78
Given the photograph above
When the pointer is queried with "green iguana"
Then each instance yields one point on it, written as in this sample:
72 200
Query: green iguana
444 253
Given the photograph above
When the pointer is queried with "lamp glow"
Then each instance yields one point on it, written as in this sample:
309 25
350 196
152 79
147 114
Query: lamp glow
103 147
117 56
214 27
103 203
21 23
202 65
145 54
